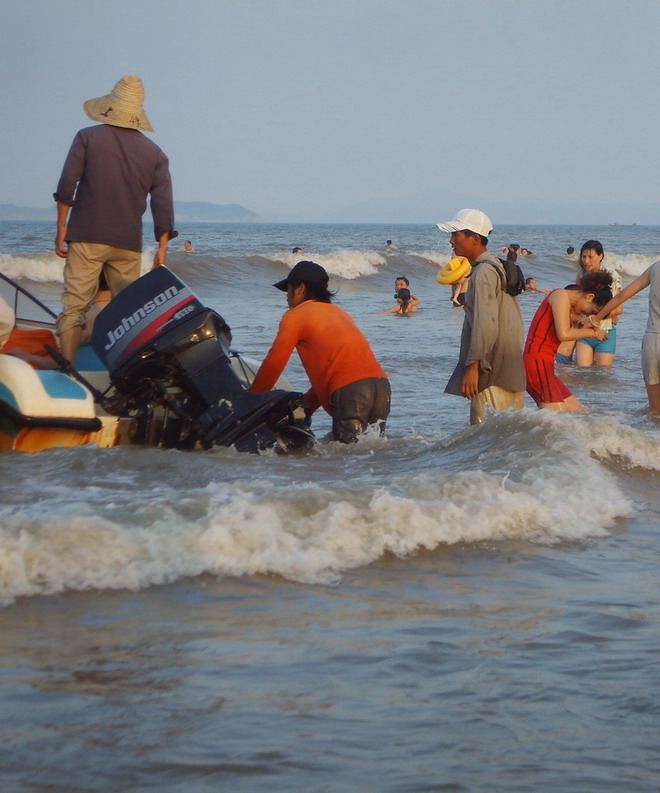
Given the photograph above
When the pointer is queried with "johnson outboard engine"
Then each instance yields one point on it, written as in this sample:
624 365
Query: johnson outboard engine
170 368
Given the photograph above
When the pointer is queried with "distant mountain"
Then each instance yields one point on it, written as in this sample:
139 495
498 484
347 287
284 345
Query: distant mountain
185 211
203 212
12 212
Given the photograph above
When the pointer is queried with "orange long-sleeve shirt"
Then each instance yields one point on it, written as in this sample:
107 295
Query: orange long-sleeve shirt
332 348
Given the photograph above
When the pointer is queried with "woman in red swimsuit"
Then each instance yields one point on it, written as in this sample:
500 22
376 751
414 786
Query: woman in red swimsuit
561 317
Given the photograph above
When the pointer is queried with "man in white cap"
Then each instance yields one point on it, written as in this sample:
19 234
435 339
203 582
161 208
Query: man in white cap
490 368
110 170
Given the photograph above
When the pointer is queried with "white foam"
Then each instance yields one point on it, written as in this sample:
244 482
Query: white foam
41 268
343 263
310 532
48 267
434 258
630 264
613 441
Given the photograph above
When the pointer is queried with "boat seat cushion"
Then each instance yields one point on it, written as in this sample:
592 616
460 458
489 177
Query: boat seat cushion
42 393
31 341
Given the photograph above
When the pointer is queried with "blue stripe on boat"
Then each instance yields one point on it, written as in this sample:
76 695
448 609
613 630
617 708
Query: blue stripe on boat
60 386
8 396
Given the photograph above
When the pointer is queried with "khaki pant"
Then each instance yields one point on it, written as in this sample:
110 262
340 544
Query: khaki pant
84 264
498 398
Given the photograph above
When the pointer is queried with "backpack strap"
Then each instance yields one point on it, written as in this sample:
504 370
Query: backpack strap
500 270
495 264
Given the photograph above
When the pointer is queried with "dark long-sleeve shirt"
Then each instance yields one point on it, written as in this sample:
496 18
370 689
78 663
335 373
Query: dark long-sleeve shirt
107 176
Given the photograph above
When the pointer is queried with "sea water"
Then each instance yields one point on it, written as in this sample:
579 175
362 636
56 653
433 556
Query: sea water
449 608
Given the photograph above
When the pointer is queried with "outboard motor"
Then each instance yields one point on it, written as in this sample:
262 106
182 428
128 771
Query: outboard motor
170 368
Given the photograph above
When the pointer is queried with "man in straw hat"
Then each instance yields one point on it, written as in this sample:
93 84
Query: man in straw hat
490 370
345 376
110 170
7 320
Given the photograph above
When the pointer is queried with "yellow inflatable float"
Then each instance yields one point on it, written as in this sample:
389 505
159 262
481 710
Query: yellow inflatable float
454 269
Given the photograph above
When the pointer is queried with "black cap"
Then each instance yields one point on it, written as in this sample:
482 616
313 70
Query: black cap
305 272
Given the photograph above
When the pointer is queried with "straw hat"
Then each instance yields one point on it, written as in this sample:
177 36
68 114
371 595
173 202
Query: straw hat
122 107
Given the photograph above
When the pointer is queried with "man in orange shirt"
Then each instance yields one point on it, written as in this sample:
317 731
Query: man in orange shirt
345 376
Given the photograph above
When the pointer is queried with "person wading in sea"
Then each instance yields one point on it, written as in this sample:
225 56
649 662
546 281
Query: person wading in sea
346 379
490 367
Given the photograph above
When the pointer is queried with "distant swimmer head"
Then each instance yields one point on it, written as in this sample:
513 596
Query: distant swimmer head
401 282
297 250
122 107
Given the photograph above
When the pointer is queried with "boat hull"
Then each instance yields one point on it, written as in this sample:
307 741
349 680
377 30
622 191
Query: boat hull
159 372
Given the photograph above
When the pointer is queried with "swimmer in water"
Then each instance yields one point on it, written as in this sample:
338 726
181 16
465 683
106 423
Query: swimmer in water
530 286
404 304
401 282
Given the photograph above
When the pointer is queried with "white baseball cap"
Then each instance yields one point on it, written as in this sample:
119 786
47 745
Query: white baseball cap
468 220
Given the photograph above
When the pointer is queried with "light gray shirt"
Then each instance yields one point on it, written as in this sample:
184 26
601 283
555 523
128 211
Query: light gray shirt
492 331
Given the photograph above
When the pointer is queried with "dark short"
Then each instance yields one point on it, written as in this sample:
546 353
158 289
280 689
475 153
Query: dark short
358 405
543 385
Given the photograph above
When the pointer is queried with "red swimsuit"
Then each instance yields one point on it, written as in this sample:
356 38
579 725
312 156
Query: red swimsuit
543 385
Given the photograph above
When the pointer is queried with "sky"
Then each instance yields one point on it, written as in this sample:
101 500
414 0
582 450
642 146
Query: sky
536 111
